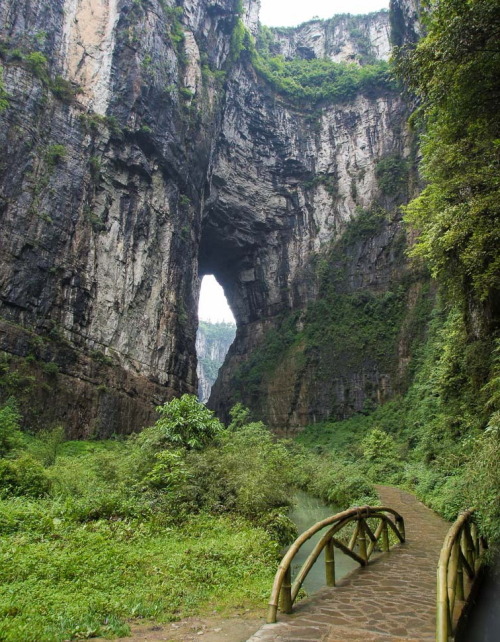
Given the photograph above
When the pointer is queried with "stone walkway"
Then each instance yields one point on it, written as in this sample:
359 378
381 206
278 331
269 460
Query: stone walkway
392 599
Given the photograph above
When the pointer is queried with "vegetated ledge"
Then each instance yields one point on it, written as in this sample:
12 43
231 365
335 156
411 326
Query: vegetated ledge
91 393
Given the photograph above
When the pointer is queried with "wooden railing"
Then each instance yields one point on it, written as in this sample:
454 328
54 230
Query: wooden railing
362 543
462 552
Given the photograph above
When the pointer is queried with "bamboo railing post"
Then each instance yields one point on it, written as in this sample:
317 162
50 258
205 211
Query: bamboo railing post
385 538
469 546
354 537
452 577
378 532
330 563
362 540
400 523
460 581
442 610
475 541
286 591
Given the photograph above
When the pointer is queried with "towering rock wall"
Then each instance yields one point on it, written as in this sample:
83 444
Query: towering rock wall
138 154
213 341
106 147
343 38
304 175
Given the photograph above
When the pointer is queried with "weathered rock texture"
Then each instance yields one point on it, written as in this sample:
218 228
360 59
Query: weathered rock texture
343 38
213 341
170 161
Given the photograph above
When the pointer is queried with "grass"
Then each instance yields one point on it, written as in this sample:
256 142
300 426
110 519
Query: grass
345 435
69 573
95 535
80 581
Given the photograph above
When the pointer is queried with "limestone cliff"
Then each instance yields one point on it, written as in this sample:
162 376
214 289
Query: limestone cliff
138 152
213 341
343 38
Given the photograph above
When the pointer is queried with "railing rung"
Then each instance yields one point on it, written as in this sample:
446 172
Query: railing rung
285 592
459 552
330 563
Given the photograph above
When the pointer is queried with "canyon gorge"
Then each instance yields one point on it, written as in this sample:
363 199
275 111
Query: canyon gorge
146 143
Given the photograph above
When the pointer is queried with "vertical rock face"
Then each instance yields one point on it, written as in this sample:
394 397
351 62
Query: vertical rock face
213 341
343 38
406 26
99 213
302 180
136 157
88 45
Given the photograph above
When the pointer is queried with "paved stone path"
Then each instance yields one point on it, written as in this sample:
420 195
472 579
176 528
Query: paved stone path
393 599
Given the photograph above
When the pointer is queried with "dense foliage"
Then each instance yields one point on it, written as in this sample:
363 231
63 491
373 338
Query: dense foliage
455 72
317 80
310 81
185 517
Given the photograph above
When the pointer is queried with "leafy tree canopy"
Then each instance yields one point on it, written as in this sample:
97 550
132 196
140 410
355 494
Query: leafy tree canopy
183 422
455 73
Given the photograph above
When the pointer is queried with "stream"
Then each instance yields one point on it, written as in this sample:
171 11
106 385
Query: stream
483 622
307 511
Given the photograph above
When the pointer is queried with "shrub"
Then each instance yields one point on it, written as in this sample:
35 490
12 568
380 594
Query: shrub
279 526
37 62
185 423
10 433
169 472
64 89
4 96
392 175
54 154
247 473
47 445
23 477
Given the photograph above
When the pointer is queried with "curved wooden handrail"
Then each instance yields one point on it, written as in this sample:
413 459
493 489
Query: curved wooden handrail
282 586
462 550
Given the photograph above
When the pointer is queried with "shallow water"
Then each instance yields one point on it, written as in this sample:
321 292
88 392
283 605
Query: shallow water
307 511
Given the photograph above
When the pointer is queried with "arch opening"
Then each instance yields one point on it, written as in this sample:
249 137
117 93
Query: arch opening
216 333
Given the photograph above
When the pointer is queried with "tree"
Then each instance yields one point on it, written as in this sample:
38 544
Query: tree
183 422
455 73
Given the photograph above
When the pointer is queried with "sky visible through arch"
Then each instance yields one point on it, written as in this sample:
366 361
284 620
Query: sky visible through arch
213 304
280 13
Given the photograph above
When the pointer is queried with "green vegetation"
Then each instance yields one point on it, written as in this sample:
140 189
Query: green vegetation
185 517
4 96
54 154
454 71
318 80
441 439
10 435
164 524
218 336
38 64
309 81
183 423
392 175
